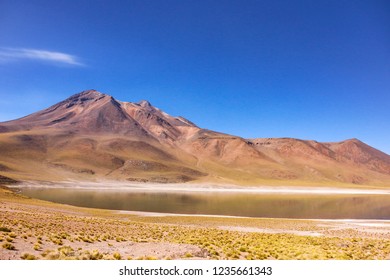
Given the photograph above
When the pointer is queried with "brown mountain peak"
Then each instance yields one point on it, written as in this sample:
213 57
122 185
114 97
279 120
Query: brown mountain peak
84 97
90 93
352 140
144 104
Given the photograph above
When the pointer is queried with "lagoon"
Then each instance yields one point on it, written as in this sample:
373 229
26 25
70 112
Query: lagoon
297 205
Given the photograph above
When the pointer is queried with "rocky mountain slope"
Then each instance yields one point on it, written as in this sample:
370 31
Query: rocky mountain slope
92 136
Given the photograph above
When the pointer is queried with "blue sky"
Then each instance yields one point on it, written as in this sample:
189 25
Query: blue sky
305 69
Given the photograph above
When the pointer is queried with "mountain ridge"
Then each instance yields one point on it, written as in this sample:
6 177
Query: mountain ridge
91 136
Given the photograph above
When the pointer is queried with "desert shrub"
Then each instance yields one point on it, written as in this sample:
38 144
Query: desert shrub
58 242
52 255
66 251
5 229
8 246
96 255
117 256
27 256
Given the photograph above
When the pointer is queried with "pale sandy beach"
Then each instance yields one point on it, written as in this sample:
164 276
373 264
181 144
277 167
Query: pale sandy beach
202 187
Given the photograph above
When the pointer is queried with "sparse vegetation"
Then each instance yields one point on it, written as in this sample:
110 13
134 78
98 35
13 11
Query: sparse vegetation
211 238
27 256
8 246
96 255
5 229
9 239
117 256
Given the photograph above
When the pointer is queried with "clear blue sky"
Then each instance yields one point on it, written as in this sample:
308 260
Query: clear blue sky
267 68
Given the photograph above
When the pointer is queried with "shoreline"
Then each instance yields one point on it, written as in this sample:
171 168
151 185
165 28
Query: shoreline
360 222
202 188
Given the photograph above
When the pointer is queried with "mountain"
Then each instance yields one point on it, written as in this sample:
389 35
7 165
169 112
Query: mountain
92 112
92 136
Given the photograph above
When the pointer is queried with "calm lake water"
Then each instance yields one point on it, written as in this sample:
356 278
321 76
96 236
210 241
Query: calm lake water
305 206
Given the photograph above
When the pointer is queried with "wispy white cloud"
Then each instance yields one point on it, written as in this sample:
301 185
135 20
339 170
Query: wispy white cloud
12 54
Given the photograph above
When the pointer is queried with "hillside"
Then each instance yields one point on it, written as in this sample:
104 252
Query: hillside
93 136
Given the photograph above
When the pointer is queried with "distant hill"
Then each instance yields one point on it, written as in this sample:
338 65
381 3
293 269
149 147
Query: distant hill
92 136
